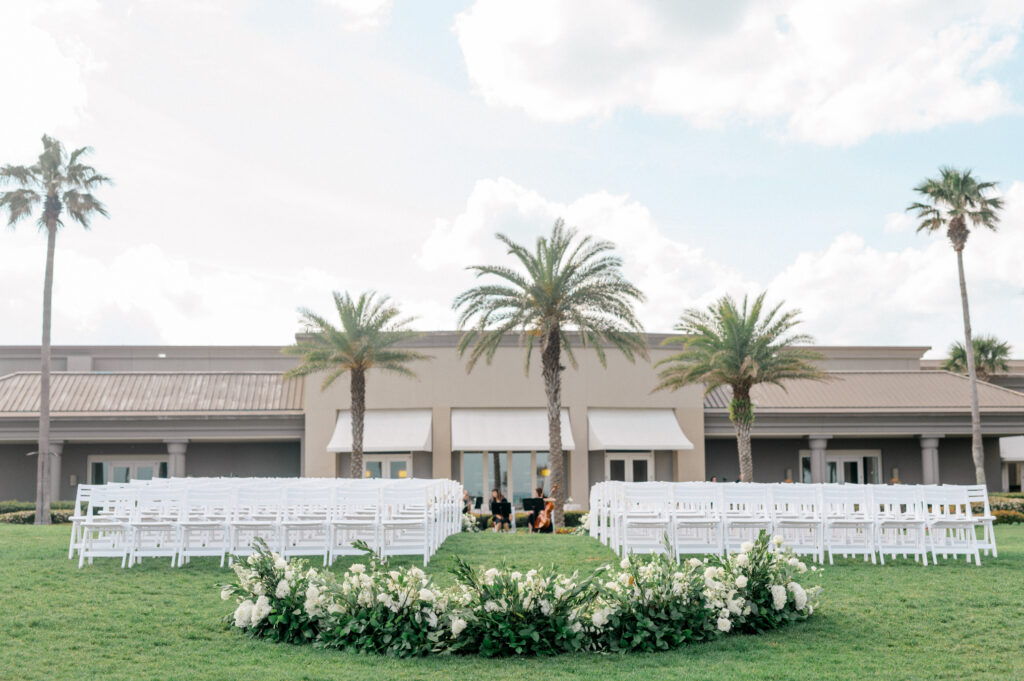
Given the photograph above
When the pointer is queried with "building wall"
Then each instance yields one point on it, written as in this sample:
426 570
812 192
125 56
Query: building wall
773 456
444 384
243 459
17 472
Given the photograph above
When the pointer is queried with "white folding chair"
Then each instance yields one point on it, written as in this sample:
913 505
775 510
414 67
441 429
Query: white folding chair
797 516
304 520
978 494
153 528
104 530
696 520
950 525
83 494
354 516
745 512
644 517
255 513
202 525
900 522
405 521
849 521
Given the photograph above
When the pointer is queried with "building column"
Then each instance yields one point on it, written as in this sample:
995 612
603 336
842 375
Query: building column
930 459
818 444
176 458
56 450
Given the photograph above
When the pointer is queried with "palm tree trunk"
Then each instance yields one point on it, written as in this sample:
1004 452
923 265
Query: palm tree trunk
741 413
358 389
43 464
497 469
977 447
552 368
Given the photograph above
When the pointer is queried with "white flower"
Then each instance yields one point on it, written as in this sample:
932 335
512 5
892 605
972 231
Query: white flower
394 574
279 562
710 573
491 606
801 568
624 563
778 596
600 618
417 573
516 575
741 581
358 568
283 589
545 608
695 562
724 625
225 593
746 547
431 619
289 574
243 614
778 540
794 562
251 560
458 626
260 610
799 595
257 588
489 575
427 595
559 591
742 560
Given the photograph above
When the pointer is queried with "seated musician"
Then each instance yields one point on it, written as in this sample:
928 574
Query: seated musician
501 511
548 527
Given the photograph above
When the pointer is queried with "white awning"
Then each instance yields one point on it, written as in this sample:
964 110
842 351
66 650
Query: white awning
635 429
505 430
385 430
1011 448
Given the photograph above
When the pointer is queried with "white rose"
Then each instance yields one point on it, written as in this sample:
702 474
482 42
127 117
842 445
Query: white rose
599 618
394 574
724 625
283 589
427 595
746 547
260 610
741 581
794 562
799 595
742 559
279 562
710 573
695 562
458 626
358 568
257 588
516 575
624 563
225 593
545 608
778 540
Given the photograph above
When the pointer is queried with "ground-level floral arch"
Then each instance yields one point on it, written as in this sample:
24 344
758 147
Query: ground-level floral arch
645 603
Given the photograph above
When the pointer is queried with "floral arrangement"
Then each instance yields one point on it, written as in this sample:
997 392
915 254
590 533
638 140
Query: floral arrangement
470 523
646 603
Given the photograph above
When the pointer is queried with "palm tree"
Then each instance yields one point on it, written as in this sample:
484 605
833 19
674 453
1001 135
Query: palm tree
567 288
370 330
60 183
957 201
739 347
991 356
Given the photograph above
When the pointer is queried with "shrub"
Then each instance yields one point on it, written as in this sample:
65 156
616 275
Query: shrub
12 506
1007 517
511 613
29 517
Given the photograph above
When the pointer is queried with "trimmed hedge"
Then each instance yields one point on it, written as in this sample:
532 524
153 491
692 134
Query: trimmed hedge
13 506
1007 517
29 517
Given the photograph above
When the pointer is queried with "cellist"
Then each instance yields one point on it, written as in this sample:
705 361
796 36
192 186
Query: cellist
534 515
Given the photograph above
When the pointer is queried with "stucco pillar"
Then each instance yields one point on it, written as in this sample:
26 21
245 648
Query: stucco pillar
176 458
56 450
578 460
930 459
1005 477
818 444
441 443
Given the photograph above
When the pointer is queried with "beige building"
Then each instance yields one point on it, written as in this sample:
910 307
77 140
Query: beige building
128 412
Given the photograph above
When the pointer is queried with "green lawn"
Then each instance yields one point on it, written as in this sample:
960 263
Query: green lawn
950 621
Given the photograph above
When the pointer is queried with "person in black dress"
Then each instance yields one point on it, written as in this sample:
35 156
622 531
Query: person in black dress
500 511
533 514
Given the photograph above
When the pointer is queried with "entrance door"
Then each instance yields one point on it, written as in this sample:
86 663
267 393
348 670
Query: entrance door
104 469
856 467
387 466
629 466
844 469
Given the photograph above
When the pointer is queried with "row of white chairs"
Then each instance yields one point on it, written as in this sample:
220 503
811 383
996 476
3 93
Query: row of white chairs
845 520
182 518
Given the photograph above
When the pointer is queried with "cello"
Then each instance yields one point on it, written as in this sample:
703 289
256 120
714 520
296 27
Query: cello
543 521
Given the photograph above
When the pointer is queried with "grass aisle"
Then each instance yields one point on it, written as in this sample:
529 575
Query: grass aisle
950 621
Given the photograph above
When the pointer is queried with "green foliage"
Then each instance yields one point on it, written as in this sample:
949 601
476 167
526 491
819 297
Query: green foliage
370 333
29 517
1007 517
991 357
738 346
565 283
12 506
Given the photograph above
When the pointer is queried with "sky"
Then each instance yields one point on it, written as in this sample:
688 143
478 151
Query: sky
267 153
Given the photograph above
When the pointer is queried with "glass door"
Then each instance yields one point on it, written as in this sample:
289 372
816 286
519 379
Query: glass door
629 467
104 469
853 467
387 466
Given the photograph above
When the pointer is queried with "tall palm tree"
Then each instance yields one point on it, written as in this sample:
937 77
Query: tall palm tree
739 346
61 184
991 356
566 288
370 331
956 201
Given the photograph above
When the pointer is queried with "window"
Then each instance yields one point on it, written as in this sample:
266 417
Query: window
388 466
528 471
104 468
629 466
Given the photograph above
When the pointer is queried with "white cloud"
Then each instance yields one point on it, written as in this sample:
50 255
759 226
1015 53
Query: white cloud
826 72
360 14
43 77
